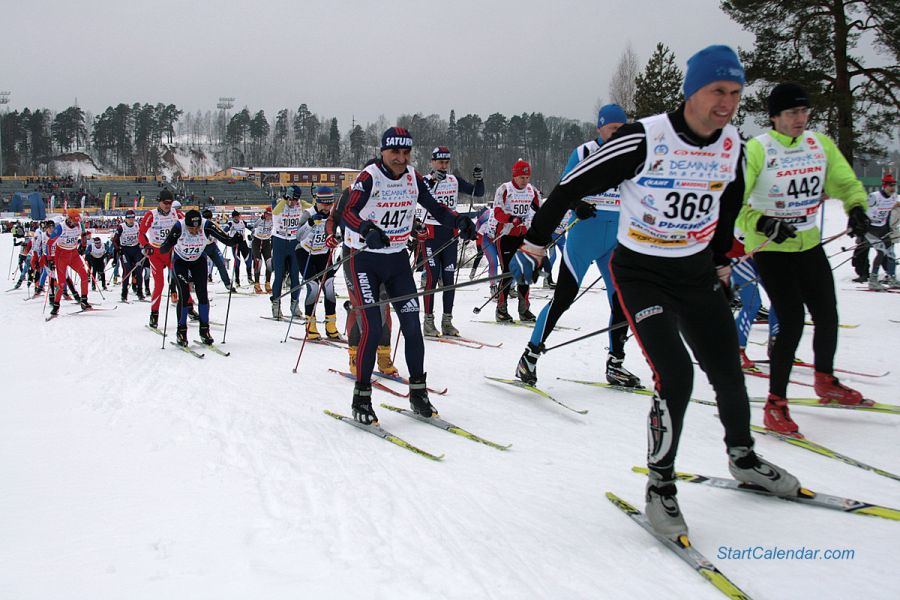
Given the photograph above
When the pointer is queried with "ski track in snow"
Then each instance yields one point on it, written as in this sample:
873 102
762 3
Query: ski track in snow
140 472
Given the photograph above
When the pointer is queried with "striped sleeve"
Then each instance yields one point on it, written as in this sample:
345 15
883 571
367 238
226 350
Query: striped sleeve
620 158
359 195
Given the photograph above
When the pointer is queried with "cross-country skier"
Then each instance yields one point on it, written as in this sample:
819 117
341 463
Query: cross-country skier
378 219
154 228
65 237
781 202
313 255
681 185
125 239
591 240
441 266
262 249
237 228
96 256
286 221
186 240
879 235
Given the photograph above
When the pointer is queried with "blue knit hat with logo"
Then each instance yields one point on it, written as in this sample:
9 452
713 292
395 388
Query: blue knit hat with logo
324 194
713 63
611 113
396 138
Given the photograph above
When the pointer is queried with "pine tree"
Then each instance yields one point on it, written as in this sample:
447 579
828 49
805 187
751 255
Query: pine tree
811 42
658 88
334 144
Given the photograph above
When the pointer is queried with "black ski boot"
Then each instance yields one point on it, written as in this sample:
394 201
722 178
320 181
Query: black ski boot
54 310
362 404
181 336
85 305
418 397
204 334
502 315
193 314
526 370
617 374
154 319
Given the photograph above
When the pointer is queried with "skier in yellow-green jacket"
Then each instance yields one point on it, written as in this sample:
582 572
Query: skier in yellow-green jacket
789 171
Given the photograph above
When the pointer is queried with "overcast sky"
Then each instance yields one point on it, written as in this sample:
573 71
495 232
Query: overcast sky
343 58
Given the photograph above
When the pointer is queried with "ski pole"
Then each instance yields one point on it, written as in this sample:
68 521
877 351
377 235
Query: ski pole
500 289
168 300
316 302
11 252
428 292
618 325
228 307
319 274
585 290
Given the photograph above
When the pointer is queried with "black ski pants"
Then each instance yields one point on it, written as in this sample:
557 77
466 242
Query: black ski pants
665 300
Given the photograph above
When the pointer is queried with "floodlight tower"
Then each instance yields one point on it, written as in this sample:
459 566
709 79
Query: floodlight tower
4 99
225 104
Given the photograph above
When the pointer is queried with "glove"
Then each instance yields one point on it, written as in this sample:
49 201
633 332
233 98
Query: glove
147 251
584 210
775 229
526 262
438 176
858 222
466 228
332 241
477 173
723 272
376 238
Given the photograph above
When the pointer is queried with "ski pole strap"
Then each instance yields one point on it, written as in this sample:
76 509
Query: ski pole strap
429 292
618 325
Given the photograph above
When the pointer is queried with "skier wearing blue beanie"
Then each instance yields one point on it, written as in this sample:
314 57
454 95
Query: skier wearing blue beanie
681 185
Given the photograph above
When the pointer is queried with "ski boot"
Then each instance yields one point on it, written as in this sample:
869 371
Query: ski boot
617 374
777 417
385 364
829 389
472 274
501 314
891 282
181 336
874 284
526 370
418 397
662 508
447 327
192 313
745 466
257 288
362 404
295 309
548 282
312 333
154 319
54 308
204 334
428 328
18 284
124 297
352 351
268 288
331 329
746 363
276 310
527 316
85 305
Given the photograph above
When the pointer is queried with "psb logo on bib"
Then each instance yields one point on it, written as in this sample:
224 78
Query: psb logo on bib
727 144
661 150
649 219
716 186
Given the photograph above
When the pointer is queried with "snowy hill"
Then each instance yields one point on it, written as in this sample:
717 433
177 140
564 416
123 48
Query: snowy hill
75 164
131 471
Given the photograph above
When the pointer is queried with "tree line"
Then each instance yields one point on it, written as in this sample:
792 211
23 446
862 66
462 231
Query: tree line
811 42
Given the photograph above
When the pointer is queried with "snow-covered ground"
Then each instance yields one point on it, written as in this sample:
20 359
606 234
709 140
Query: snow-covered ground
131 471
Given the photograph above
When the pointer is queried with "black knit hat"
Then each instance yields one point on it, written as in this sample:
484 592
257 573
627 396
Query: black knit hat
786 95
192 218
165 194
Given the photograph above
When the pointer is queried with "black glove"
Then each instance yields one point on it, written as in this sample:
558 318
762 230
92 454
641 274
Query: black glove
858 222
438 176
376 238
147 250
584 210
466 228
775 229
412 243
477 173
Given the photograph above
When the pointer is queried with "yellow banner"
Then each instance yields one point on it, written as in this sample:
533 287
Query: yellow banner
106 201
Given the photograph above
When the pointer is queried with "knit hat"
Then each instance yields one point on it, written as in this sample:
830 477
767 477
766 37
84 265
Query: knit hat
207 214
324 194
888 179
296 192
713 63
611 113
440 153
235 213
521 168
129 214
396 138
192 218
73 214
784 96
165 194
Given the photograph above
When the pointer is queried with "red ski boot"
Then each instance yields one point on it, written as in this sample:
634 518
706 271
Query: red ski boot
746 363
829 390
777 417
